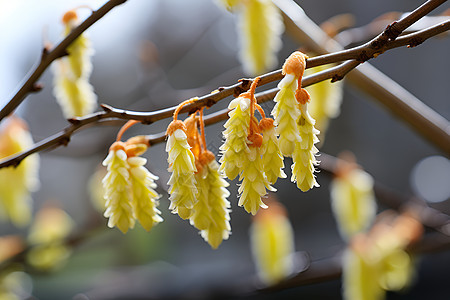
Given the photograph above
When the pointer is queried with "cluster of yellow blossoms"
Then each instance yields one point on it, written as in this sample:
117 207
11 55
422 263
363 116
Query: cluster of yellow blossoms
129 186
72 89
251 150
197 191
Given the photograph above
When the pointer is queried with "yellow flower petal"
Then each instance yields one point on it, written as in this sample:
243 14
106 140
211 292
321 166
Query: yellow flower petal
254 182
304 160
286 115
212 213
272 158
235 146
182 182
144 195
116 186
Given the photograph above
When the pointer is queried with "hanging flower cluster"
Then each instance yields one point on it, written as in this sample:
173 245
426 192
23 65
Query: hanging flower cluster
247 153
129 186
259 27
72 89
15 203
377 261
207 205
352 198
294 123
47 233
272 243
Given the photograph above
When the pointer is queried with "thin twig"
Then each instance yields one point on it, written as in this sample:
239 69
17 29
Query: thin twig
49 56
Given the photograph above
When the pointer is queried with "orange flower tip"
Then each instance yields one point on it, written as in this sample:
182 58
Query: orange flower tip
139 139
117 146
302 96
255 139
266 124
135 149
174 125
69 16
295 64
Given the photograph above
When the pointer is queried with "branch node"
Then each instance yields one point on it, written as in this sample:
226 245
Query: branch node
210 102
65 141
45 52
74 121
391 31
337 77
37 87
245 85
363 56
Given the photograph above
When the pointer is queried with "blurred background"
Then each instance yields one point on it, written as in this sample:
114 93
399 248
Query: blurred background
154 54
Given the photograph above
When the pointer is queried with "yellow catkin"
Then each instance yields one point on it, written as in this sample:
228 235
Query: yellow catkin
235 147
116 186
260 27
72 89
182 182
272 157
360 278
353 201
377 261
304 156
16 183
286 114
144 196
254 182
272 244
217 227
48 231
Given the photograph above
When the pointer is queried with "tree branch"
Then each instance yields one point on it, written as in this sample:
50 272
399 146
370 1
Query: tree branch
49 56
438 125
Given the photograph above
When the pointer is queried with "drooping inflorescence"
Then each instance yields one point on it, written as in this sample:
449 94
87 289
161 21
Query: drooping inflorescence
272 243
210 208
352 198
294 123
16 183
260 27
252 150
129 186
378 261
71 73
182 183
243 150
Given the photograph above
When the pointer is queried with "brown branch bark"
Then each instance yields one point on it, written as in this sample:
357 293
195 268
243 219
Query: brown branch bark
49 56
